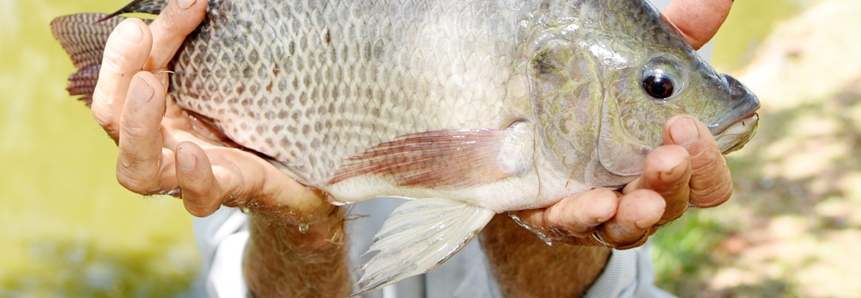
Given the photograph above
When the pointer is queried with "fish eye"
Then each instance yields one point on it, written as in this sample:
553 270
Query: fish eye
658 84
662 78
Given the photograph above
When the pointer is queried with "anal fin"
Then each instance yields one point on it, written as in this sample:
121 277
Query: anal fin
418 236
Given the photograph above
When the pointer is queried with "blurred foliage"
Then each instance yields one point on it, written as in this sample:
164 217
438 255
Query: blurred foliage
61 268
67 228
681 248
793 226
746 27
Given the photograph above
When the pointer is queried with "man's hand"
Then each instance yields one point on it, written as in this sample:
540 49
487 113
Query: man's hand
688 170
165 150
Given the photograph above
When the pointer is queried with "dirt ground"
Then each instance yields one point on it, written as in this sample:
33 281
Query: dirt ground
793 226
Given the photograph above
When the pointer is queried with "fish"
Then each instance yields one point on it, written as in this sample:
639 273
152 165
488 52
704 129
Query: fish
466 108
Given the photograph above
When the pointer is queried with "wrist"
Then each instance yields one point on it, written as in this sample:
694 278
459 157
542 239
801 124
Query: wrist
301 231
284 258
522 263
296 208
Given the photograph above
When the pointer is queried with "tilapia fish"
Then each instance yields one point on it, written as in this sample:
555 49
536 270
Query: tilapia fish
468 108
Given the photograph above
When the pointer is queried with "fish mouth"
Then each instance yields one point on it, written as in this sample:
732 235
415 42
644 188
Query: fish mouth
738 134
738 125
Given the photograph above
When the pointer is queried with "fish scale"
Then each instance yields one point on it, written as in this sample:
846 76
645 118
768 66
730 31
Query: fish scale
469 108
336 85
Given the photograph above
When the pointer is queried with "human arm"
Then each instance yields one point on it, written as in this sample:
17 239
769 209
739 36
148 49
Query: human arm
163 149
688 169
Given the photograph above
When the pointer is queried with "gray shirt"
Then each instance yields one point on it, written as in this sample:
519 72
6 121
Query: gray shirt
221 239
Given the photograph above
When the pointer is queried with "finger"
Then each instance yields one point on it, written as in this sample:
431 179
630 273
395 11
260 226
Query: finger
698 20
201 192
125 53
573 216
711 183
667 171
170 28
139 162
638 211
246 180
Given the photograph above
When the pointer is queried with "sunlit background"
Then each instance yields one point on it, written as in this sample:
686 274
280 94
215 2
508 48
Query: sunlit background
67 228
793 228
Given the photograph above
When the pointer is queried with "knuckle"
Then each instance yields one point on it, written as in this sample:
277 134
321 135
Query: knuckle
135 183
195 190
196 206
134 130
167 23
107 123
711 182
138 172
115 60
712 195
707 161
101 111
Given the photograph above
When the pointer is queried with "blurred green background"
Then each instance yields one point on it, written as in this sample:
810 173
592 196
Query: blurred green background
69 230
793 226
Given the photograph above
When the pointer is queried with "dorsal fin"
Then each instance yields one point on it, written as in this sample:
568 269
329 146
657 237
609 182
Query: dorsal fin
141 6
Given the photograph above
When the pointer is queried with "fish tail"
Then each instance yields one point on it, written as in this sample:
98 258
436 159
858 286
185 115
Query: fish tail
84 36
418 236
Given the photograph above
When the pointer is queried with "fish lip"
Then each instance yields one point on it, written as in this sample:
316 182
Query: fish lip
746 105
735 136
724 123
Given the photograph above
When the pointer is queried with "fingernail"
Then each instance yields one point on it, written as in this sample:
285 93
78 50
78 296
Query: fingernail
184 159
130 31
185 4
684 132
141 92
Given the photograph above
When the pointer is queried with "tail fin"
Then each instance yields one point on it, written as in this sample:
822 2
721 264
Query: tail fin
83 37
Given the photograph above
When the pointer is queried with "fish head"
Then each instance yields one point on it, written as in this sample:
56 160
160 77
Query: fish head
626 76
652 74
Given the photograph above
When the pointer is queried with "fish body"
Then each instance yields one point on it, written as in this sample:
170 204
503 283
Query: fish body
470 108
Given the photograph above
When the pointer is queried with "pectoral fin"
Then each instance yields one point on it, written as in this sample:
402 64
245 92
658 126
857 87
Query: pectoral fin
418 236
452 159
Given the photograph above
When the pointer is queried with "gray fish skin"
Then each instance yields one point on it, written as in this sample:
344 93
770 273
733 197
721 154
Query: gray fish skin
311 83
470 108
